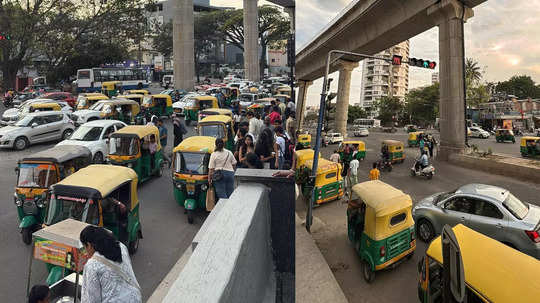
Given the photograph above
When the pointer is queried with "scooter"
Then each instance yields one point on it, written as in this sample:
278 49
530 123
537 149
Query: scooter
384 165
8 102
427 172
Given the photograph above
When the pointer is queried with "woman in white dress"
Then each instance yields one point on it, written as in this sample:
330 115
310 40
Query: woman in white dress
107 276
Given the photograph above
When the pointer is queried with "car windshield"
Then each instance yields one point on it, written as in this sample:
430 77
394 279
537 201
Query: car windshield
82 101
97 106
192 163
516 207
24 121
36 175
443 196
61 208
123 146
87 133
214 130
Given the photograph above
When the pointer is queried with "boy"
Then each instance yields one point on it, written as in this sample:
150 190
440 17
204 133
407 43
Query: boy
374 173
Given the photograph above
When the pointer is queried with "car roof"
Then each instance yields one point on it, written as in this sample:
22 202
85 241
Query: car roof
103 122
46 113
490 191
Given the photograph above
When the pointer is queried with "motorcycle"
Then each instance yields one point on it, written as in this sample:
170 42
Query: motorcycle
8 102
427 171
384 165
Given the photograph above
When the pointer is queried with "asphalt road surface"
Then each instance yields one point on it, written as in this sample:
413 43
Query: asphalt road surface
400 284
165 230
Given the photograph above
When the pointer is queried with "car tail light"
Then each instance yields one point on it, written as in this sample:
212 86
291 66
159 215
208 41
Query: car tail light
382 251
533 235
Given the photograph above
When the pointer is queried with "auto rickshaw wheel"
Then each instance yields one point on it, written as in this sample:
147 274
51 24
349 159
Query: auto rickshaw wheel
369 275
133 246
190 217
27 234
409 256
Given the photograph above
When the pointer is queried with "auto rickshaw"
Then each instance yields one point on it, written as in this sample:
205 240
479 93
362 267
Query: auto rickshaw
64 255
413 138
190 175
159 105
120 109
89 99
380 226
530 146
256 108
214 111
503 135
395 149
138 92
135 97
218 126
283 90
42 107
360 150
111 88
283 98
328 182
231 93
486 262
305 140
131 146
198 103
35 174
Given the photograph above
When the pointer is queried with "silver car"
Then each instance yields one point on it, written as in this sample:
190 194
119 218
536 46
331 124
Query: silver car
35 128
490 210
12 115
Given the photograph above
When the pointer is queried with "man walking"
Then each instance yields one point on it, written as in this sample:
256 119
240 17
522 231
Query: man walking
179 130
163 140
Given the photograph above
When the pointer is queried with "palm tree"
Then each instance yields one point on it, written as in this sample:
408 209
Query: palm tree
472 71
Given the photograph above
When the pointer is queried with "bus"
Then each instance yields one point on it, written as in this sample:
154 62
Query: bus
90 79
367 123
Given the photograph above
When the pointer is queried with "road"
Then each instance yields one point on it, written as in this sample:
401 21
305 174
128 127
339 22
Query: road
330 229
165 230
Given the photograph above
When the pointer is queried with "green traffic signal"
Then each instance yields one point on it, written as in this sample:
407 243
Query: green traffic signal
422 63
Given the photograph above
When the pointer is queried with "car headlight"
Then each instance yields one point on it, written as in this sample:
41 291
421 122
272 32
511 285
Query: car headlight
204 187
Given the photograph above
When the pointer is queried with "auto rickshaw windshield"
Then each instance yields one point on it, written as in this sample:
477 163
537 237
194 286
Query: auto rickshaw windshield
191 102
192 163
61 208
82 101
36 175
107 108
87 133
213 130
123 146
205 104
147 100
97 106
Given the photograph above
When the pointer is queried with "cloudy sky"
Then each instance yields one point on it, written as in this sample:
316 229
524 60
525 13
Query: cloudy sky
503 36
233 3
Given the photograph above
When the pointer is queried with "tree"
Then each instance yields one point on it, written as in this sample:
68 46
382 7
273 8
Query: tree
355 112
389 109
520 86
473 72
422 105
274 29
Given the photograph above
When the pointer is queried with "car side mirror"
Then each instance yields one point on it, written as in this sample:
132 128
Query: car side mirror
34 124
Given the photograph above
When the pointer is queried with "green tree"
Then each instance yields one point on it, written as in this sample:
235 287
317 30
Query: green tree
388 108
422 105
473 72
520 86
355 112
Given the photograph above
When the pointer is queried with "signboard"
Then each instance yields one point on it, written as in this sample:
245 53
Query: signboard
158 63
507 124
59 254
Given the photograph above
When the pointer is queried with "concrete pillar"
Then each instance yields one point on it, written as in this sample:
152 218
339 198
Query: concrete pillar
251 41
183 45
301 102
344 88
447 14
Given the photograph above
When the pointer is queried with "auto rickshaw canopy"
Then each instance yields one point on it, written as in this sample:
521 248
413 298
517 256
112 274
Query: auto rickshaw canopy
503 131
529 138
46 106
61 154
200 98
413 135
167 98
488 262
282 96
392 144
110 85
361 144
138 92
135 97
217 111
216 118
383 202
304 155
97 181
135 108
197 144
139 131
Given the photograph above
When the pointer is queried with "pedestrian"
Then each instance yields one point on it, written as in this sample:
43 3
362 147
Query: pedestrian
282 107
247 147
374 172
39 294
254 126
107 275
221 170
353 172
432 143
179 130
239 142
267 124
274 115
290 126
335 156
252 161
280 142
421 143
163 140
266 149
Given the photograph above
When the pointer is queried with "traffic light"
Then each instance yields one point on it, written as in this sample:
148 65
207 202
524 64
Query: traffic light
4 36
396 60
422 63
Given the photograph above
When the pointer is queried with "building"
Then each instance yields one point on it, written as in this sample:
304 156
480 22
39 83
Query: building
524 114
277 61
434 78
380 78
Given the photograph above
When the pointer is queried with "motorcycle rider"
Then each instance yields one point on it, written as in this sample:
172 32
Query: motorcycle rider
422 162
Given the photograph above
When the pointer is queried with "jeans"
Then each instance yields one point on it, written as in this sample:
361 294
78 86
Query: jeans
281 160
225 186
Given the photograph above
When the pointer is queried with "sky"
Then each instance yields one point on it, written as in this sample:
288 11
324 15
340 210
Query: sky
233 3
503 37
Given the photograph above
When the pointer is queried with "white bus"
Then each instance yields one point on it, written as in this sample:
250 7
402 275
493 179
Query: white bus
90 79
367 123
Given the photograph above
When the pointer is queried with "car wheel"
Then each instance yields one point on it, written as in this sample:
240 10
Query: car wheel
425 231
66 134
98 158
369 275
20 143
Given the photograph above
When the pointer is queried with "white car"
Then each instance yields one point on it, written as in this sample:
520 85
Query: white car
178 106
361 132
478 132
95 136
12 115
333 138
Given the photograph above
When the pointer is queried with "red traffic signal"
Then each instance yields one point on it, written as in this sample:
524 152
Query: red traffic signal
422 63
396 60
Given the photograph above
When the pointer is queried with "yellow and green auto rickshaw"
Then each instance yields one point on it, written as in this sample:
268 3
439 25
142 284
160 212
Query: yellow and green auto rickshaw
218 126
135 97
231 93
486 262
159 105
380 226
44 107
530 146
328 182
283 90
214 111
111 88
198 103
352 145
138 92
503 135
35 174
84 101
137 147
395 149
301 156
120 109
190 175
413 139
305 140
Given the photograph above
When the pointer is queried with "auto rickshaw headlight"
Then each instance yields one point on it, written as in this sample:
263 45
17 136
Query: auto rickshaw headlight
204 187
18 202
40 203
130 165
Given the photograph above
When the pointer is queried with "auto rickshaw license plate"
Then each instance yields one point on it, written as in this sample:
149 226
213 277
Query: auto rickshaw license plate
190 188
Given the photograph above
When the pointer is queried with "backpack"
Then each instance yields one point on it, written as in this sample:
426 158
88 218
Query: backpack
289 150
